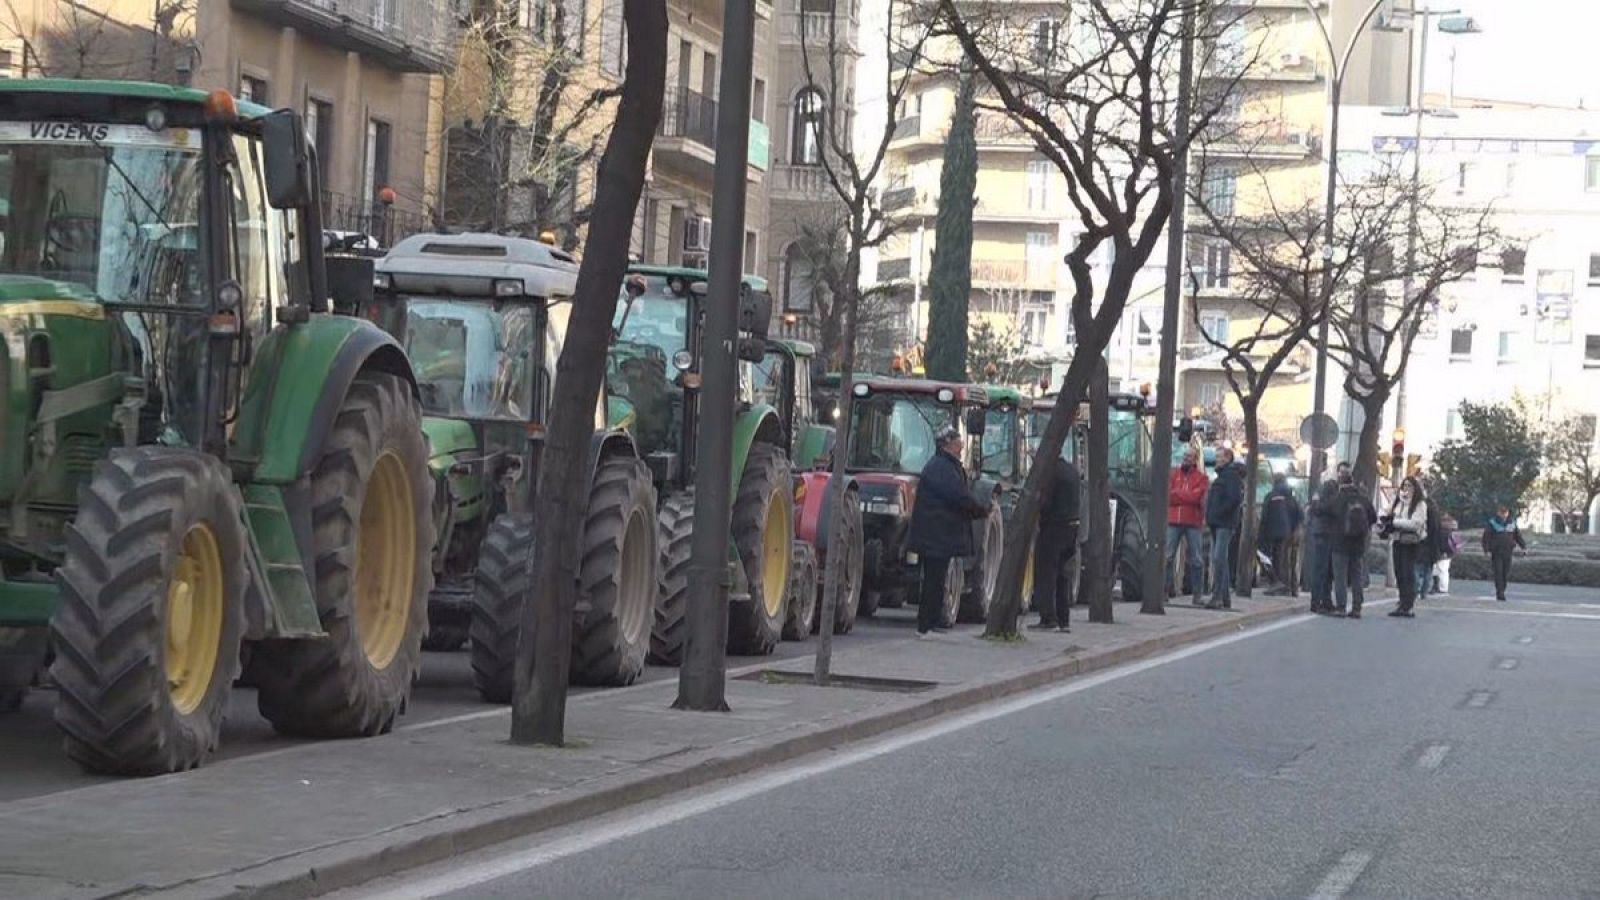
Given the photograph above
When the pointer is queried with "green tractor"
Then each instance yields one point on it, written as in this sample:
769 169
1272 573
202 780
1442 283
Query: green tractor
197 461
482 318
783 380
655 364
1004 459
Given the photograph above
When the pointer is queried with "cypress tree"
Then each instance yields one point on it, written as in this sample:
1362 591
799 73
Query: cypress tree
950 275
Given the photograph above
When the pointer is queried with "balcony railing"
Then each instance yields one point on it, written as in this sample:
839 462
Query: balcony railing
404 35
1011 273
991 128
388 224
910 126
690 114
894 269
812 28
899 198
808 182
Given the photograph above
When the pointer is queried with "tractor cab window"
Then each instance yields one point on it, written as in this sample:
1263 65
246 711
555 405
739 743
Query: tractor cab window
895 433
1000 444
802 392
107 210
655 320
1128 444
766 380
472 360
260 252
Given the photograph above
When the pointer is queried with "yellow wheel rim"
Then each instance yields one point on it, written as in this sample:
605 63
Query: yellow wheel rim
194 618
776 546
1027 579
386 546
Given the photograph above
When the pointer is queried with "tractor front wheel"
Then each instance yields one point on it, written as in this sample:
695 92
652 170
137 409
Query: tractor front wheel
1130 557
617 578
674 535
372 534
849 602
147 633
763 532
802 617
986 571
497 592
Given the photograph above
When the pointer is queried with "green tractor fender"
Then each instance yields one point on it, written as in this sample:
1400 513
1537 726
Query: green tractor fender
760 422
296 385
813 443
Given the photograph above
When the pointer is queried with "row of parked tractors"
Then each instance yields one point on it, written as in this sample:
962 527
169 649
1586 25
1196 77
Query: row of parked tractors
210 474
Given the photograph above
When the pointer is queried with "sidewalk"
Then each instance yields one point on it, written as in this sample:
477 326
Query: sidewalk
315 818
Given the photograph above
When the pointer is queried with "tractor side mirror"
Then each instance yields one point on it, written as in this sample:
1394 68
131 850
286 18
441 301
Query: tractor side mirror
1185 431
755 312
976 419
287 160
752 349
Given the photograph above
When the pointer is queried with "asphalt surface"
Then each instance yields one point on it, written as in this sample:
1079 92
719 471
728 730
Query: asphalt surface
1451 755
34 765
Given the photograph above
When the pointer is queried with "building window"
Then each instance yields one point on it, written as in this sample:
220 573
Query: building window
1513 262
1046 37
1218 262
1452 423
1463 173
1033 326
1041 256
1466 259
319 127
253 89
750 258
1591 173
1210 394
1507 345
1217 192
1594 268
758 100
1215 326
1039 184
613 38
1461 343
1591 351
377 164
1145 330
799 279
806 131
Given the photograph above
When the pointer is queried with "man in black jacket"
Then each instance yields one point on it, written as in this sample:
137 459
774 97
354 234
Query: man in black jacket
1054 547
941 525
1280 519
1223 502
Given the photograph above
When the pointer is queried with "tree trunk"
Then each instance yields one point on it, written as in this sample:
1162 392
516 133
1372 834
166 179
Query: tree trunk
849 295
1097 575
1366 463
538 712
1248 532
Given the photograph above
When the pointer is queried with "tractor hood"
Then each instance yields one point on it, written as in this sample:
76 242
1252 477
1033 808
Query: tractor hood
25 288
447 437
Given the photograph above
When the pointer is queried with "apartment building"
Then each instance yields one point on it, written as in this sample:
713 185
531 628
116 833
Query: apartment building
363 72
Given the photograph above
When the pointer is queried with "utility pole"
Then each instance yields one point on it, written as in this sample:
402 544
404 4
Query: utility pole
1155 536
702 680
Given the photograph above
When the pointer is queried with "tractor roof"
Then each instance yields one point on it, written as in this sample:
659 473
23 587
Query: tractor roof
1120 400
135 90
755 282
1001 395
802 349
964 393
469 265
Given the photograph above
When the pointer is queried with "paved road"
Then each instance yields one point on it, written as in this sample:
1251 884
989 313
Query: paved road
34 765
1452 755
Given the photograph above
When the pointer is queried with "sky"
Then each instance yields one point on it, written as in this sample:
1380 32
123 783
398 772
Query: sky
1530 50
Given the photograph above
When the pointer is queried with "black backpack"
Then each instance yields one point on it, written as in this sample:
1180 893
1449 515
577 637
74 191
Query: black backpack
1356 521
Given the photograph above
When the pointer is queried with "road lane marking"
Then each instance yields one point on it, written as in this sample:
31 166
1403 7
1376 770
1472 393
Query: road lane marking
1480 699
1433 756
632 821
1507 663
1343 875
1515 612
1525 639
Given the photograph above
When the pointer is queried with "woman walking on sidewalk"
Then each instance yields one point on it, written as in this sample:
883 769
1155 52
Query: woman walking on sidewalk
1502 537
1408 523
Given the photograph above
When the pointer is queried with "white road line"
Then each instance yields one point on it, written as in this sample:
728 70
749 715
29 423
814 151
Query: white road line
1343 876
1480 699
1507 663
1514 612
629 823
1433 757
1525 639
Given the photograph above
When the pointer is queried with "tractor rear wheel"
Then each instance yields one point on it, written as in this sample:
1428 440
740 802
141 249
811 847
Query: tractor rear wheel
802 618
372 533
1130 557
147 633
763 532
955 583
497 592
986 571
850 602
617 578
674 535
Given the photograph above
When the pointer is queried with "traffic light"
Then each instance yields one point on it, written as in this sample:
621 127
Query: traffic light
1397 459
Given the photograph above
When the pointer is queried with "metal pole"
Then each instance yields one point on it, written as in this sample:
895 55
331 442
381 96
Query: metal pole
1155 538
702 681
1411 228
1320 388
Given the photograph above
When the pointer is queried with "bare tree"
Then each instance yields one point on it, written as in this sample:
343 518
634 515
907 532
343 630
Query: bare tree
824 243
1100 107
524 104
544 646
1569 480
77 39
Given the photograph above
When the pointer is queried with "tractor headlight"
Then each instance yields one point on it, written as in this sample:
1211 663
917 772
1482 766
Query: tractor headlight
946 395
508 287
860 390
682 360
382 281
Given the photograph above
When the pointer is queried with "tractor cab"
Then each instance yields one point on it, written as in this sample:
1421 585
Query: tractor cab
782 380
1004 451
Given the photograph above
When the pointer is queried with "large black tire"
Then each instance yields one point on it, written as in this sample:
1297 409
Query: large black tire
370 486
954 589
851 600
157 545
803 593
445 638
985 571
617 578
763 532
1130 551
497 592
674 535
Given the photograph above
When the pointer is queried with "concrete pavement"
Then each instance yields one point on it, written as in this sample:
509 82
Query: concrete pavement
312 817
1452 755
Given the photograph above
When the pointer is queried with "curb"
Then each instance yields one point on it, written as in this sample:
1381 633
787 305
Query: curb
320 871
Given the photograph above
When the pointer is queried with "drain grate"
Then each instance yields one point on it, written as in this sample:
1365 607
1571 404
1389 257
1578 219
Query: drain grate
852 682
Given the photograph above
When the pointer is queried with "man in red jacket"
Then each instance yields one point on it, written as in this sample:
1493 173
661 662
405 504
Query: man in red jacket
1186 504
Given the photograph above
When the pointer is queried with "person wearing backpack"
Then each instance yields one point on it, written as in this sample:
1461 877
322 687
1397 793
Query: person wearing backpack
1450 547
1355 518
1408 521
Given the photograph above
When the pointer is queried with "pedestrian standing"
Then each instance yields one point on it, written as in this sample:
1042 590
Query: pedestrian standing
1186 498
1223 503
1408 526
941 525
1055 546
1280 518
1325 526
1448 550
1349 547
1501 537
1431 549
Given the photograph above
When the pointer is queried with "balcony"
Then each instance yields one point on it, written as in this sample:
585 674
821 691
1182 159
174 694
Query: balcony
899 199
894 270
1013 209
909 127
687 136
801 183
1012 273
996 131
1260 141
402 35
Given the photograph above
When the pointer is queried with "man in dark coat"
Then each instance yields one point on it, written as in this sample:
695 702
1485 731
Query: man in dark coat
941 525
1280 519
1348 545
1502 538
1053 549
1323 528
1224 501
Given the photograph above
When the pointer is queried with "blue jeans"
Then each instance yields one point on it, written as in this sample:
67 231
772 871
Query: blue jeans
1190 535
1424 576
1221 571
